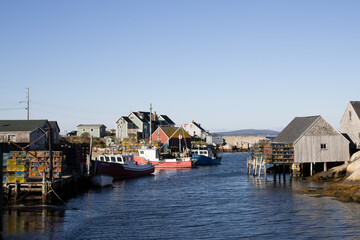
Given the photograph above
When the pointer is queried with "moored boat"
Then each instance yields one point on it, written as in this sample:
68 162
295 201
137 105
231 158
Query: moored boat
204 157
101 180
121 166
152 155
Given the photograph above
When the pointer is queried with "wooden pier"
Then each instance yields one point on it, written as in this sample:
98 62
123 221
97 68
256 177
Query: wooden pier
42 189
256 165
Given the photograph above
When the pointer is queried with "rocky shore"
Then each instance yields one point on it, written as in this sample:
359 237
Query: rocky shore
344 181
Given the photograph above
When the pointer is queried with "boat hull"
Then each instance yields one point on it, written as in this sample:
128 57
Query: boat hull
166 163
200 160
119 171
101 180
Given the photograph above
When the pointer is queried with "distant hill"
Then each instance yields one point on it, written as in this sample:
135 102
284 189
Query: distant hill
249 132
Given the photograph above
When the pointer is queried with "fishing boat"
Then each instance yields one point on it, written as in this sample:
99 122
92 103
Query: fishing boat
101 180
204 157
152 156
121 166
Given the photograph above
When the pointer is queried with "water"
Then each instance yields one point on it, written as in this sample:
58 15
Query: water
217 202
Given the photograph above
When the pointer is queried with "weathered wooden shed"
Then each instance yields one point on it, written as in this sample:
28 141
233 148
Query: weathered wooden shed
314 140
350 123
32 133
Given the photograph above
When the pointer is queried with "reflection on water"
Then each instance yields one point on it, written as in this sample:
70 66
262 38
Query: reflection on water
33 219
216 202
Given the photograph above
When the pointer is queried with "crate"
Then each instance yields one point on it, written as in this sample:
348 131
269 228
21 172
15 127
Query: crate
7 156
11 168
22 168
21 179
10 179
11 162
22 162
21 174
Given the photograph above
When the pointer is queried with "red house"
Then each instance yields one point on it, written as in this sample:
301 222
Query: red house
173 137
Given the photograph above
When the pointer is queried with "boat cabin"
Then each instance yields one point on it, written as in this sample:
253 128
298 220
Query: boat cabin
201 152
116 158
150 154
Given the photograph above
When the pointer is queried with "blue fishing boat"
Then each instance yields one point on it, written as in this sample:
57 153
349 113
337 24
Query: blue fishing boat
204 157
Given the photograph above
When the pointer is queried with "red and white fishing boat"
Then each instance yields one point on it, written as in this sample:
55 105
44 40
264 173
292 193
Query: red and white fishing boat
152 156
121 166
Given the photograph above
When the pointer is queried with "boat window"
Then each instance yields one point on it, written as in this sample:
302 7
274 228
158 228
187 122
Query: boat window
119 159
107 159
113 159
102 158
196 152
202 152
141 152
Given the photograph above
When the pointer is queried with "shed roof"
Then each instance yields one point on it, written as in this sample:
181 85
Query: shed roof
21 125
54 124
170 132
356 106
295 129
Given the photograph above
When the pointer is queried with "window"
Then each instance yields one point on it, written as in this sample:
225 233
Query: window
350 115
92 129
323 146
113 159
12 138
107 158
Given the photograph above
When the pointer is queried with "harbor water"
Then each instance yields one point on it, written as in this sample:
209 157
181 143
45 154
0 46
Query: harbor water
214 202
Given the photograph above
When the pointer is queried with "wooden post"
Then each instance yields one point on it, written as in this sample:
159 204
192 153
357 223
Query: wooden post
311 169
44 189
89 156
325 166
1 191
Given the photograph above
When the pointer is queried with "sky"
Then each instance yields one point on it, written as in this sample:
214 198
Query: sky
229 65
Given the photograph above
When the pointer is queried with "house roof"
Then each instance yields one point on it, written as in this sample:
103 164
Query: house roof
54 124
198 126
21 125
356 106
126 119
295 129
91 125
138 115
167 119
170 132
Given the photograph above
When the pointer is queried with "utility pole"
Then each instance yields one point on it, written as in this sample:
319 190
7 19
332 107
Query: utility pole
28 104
150 124
50 137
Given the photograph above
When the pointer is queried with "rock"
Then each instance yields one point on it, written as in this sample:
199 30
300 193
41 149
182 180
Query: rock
355 156
353 166
355 176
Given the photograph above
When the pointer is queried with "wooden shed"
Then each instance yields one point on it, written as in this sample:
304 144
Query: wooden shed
350 123
31 133
173 137
313 141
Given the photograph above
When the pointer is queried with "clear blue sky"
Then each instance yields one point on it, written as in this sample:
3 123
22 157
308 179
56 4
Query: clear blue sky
228 64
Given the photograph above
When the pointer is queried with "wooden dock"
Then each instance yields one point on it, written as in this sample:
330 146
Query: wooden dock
41 189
